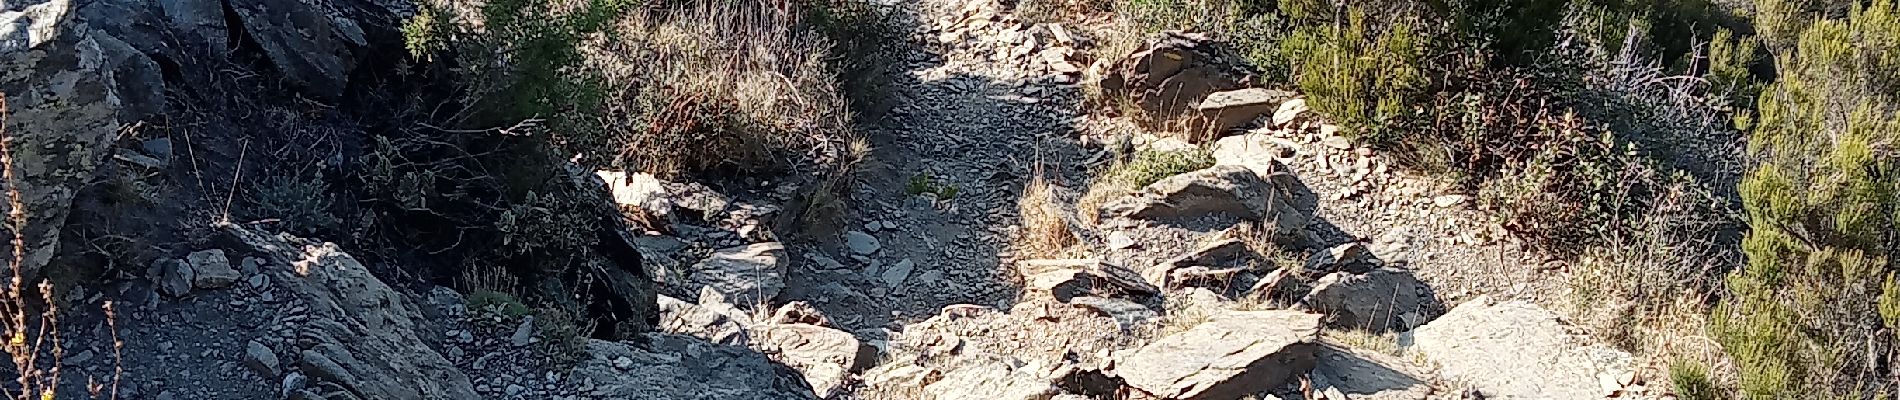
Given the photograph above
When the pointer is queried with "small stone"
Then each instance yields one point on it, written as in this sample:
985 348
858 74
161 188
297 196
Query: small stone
173 277
211 269
291 383
1290 112
623 363
861 243
259 281
160 148
1337 142
895 275
260 359
78 359
1448 200
514 390
1120 240
524 333
251 266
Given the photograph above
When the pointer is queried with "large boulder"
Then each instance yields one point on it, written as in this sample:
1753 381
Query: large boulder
64 101
1223 190
306 40
1170 74
824 356
366 337
1233 354
1381 300
1516 349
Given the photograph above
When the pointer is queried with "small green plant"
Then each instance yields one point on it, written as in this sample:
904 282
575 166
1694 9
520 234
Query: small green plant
923 184
1692 382
1150 166
507 306
562 339
1144 168
301 203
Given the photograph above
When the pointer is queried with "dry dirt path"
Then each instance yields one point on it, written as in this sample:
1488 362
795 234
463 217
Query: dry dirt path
973 115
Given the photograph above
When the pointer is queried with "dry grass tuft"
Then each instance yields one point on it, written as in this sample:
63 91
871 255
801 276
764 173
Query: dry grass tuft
717 85
1384 343
1044 233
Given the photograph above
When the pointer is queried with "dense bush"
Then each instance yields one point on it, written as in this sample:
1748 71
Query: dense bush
1816 307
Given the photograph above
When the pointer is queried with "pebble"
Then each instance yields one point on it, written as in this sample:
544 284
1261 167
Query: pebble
895 275
1120 240
861 243
1448 200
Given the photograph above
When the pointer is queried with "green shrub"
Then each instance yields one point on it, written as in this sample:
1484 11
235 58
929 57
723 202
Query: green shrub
1821 204
1365 78
1692 382
301 204
501 304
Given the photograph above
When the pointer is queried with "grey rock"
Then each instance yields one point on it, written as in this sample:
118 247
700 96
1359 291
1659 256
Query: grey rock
173 277
1516 349
1064 279
1172 72
367 336
861 243
211 269
1226 110
1349 257
524 333
824 356
201 25
1230 255
312 47
1291 112
1119 240
746 274
1280 287
992 378
65 102
1373 301
1359 374
712 372
1223 189
682 318
251 266
1233 354
1128 314
895 275
260 359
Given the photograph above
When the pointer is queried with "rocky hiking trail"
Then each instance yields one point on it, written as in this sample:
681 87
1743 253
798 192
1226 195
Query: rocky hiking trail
1300 265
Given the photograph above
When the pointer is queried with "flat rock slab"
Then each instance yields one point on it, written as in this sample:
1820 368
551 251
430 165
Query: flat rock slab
1517 350
749 274
1380 300
993 380
1365 375
1232 355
